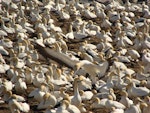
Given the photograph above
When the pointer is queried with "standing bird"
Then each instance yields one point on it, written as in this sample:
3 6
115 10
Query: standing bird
76 98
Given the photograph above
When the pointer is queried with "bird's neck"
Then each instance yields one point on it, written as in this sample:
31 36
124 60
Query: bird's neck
76 91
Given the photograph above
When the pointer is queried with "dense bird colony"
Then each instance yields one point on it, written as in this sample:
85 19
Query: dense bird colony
74 56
